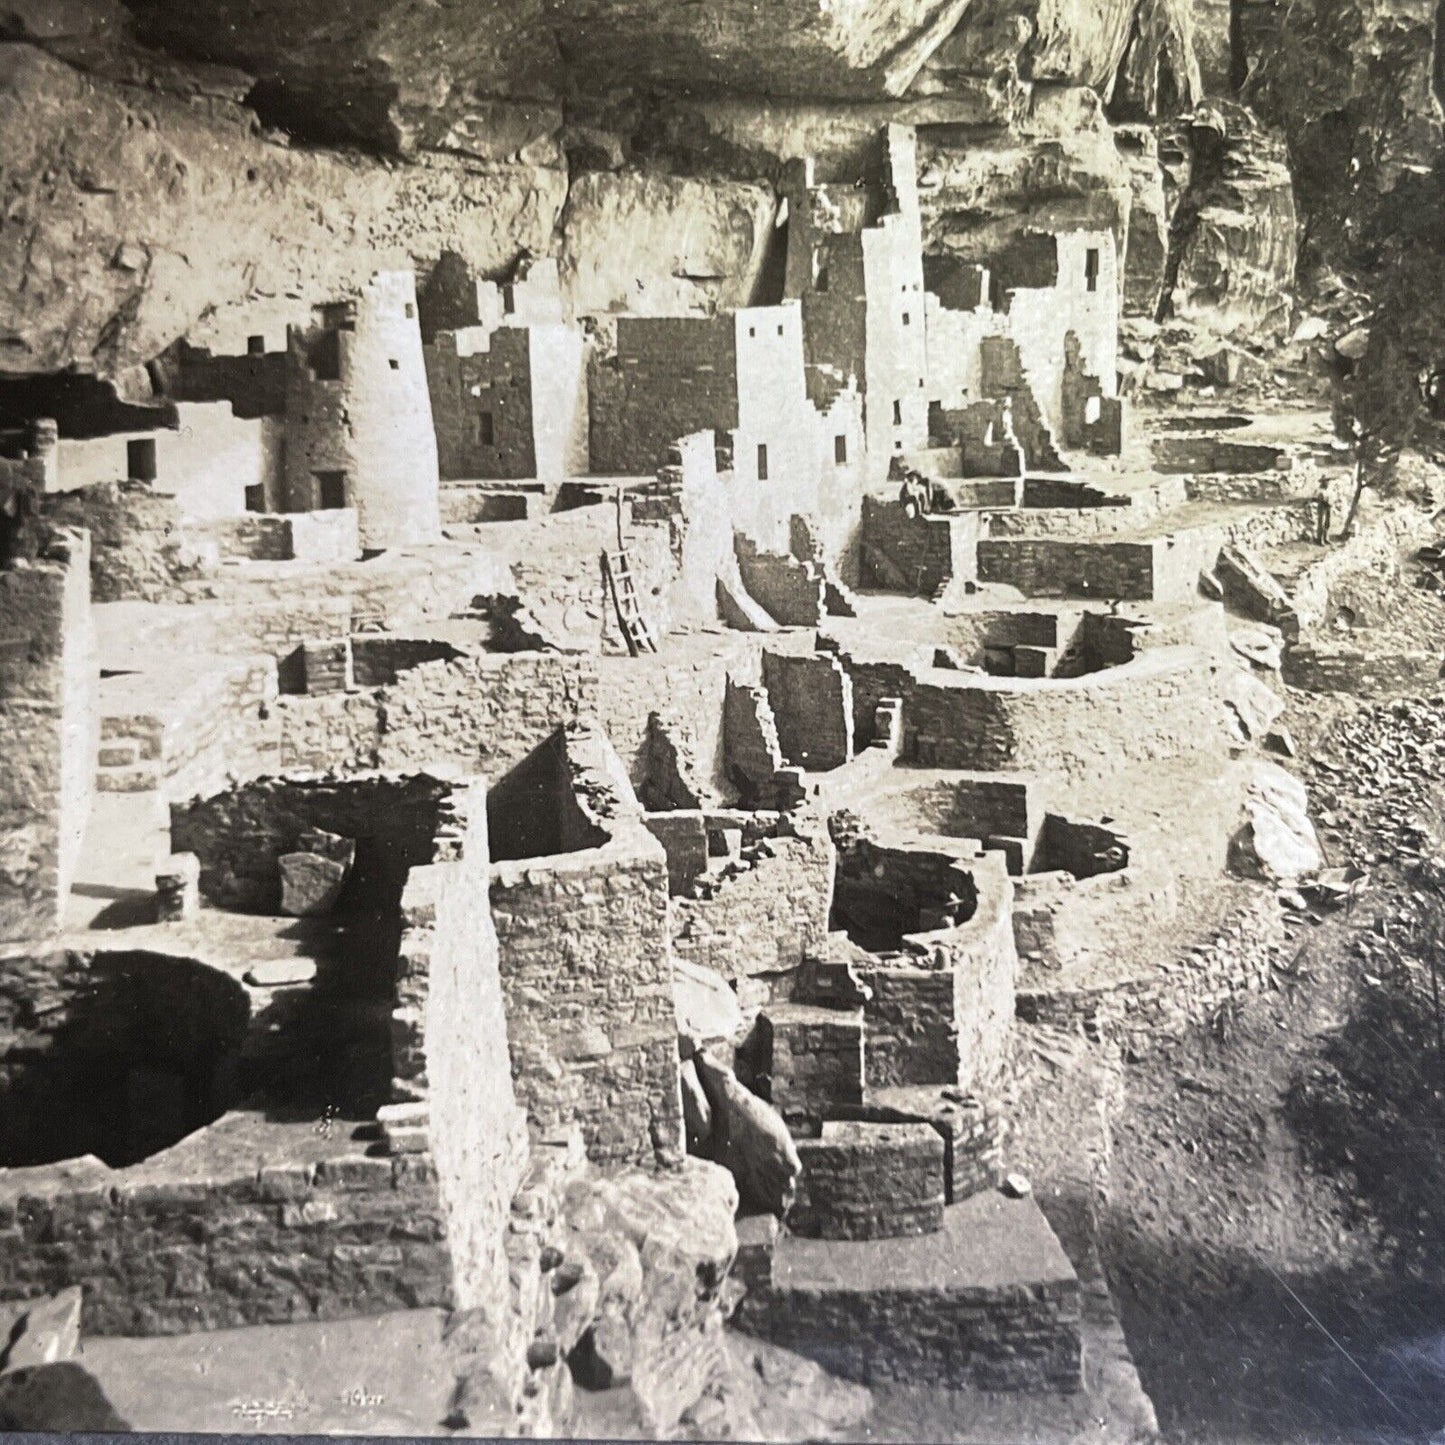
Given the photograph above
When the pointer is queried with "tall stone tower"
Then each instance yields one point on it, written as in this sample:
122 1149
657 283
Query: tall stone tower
358 415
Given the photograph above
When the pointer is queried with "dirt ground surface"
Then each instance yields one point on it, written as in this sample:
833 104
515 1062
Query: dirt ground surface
1272 1227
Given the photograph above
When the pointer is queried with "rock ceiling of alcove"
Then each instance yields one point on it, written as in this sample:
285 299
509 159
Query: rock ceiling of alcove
425 58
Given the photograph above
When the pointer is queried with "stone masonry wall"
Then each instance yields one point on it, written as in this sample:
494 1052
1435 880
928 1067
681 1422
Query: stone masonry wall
485 711
915 554
812 702
449 976
368 417
912 1030
790 591
138 549
1047 567
481 400
48 732
190 1242
1163 704
869 1181
239 834
1351 670
766 913
672 376
1002 1338
587 976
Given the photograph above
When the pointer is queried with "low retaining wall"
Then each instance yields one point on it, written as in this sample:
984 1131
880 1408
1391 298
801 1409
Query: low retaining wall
1138 1011
1164 703
186 1242
869 1181
989 1302
1324 669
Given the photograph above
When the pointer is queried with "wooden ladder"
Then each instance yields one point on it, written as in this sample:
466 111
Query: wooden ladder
618 576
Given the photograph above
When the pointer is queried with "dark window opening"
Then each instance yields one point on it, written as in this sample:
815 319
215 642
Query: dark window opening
752 330
907 320
1091 268
509 301
780 330
140 459
486 432
393 363
256 346
256 497
762 463
840 450
410 311
332 486
897 413
324 356
820 281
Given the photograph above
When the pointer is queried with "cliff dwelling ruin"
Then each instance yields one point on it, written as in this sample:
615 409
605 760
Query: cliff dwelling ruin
722 721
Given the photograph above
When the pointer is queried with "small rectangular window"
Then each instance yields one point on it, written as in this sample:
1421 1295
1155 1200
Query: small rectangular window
509 301
762 463
410 311
486 434
255 346
897 413
256 497
820 281
906 319
1091 268
332 487
840 450
324 357
780 330
140 459
392 362
752 330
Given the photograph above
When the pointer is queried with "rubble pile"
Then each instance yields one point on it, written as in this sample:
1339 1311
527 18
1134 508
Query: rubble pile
1370 785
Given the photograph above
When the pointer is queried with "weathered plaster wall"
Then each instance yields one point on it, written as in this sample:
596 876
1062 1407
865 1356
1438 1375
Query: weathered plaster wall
207 462
367 417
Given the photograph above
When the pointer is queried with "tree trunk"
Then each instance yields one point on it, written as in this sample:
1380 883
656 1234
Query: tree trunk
1354 499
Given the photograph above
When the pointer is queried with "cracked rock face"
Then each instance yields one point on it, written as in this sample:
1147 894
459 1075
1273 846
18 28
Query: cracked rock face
663 245
134 218
380 72
1074 42
391 72
1054 166
1233 241
1357 85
